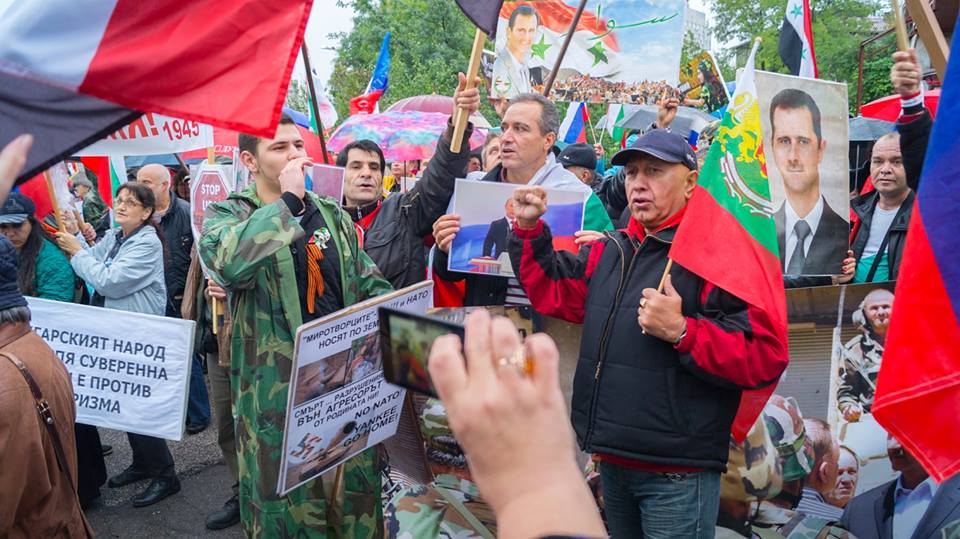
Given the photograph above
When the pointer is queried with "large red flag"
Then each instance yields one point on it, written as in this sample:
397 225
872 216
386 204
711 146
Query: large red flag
918 388
72 72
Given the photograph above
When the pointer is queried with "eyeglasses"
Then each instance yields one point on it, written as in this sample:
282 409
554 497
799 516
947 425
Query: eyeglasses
128 202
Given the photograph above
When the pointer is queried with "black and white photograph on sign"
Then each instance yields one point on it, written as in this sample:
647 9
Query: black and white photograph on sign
486 215
804 123
326 181
340 403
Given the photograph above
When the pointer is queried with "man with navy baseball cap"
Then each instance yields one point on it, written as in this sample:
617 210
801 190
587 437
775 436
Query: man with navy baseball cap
662 366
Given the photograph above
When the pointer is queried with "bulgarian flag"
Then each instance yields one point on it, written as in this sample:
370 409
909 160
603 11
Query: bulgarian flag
73 72
728 236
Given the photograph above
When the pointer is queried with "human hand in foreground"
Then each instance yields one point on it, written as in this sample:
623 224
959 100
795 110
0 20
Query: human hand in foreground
214 291
465 98
660 313
514 429
667 112
529 204
905 74
292 178
89 233
12 159
68 243
849 269
444 230
583 237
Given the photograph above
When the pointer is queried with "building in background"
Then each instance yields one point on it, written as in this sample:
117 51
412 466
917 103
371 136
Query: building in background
695 22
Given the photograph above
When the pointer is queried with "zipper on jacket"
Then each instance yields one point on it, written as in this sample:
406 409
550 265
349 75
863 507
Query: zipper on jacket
607 328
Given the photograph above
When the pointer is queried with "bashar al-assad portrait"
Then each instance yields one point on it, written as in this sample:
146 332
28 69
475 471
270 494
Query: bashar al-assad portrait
805 140
511 70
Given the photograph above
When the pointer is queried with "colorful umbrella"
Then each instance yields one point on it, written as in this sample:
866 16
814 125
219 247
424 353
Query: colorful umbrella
434 103
888 108
403 136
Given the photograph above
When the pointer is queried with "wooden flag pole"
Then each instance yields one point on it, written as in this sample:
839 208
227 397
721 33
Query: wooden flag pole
54 202
314 102
930 33
666 272
903 42
460 122
563 49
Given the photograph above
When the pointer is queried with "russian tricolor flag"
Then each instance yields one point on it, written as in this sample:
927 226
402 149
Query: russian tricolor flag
918 389
369 102
73 71
573 129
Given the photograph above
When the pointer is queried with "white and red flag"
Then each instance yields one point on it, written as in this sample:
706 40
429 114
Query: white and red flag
73 71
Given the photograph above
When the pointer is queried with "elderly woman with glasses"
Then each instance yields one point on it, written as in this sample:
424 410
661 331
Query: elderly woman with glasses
125 269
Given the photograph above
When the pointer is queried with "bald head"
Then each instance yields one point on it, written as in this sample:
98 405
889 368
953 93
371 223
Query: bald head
877 308
157 178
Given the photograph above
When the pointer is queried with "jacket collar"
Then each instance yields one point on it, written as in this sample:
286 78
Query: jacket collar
864 205
664 232
12 332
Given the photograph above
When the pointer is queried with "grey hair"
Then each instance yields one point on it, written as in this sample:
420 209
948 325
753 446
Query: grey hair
549 119
15 315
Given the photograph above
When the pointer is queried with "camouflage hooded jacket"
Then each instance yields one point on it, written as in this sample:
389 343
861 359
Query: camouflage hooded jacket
245 247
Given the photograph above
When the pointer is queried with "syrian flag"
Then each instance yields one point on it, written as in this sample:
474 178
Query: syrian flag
573 129
796 40
369 102
73 72
594 49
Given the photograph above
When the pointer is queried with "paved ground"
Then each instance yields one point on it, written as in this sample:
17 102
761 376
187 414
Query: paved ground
204 488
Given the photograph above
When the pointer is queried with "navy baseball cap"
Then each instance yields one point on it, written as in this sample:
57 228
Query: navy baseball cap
578 155
663 145
16 209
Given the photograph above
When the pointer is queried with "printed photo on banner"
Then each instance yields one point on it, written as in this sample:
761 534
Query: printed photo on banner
486 215
804 125
209 184
326 181
130 371
702 85
153 134
836 340
339 403
622 51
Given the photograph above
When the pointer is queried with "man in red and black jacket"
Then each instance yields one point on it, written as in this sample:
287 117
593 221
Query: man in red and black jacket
660 374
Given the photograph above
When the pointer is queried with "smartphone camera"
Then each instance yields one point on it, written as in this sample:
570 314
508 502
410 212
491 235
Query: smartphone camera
405 343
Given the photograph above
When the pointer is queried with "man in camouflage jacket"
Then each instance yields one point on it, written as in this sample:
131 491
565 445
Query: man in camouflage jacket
255 246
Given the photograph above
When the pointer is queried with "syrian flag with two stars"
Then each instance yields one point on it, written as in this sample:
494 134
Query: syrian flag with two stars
796 40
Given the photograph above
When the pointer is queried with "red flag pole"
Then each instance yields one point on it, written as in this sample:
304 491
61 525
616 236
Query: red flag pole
563 49
314 103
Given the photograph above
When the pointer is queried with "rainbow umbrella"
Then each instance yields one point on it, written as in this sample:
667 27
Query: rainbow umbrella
403 136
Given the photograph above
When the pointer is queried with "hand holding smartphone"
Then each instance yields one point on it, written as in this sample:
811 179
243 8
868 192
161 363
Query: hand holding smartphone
405 343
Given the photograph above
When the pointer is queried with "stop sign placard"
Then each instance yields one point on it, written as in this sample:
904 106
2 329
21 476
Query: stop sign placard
208 187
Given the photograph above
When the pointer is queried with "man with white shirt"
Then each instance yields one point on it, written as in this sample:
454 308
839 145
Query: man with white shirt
811 236
913 506
529 131
511 71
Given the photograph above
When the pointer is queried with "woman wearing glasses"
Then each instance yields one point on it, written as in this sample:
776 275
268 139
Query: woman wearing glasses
125 269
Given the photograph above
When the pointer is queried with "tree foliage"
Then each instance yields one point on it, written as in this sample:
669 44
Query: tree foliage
298 96
690 48
838 28
430 43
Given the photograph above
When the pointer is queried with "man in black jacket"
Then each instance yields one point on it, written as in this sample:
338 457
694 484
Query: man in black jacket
392 229
913 506
660 375
883 215
174 216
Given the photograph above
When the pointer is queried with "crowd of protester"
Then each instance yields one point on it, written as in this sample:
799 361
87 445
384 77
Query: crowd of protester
589 89
653 408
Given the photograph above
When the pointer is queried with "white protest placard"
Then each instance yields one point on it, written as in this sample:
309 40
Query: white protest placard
153 134
339 403
209 185
130 371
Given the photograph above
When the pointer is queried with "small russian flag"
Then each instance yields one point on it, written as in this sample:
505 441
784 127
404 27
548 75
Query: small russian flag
573 129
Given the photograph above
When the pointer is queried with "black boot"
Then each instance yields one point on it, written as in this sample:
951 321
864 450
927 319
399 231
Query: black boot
226 516
159 488
130 475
